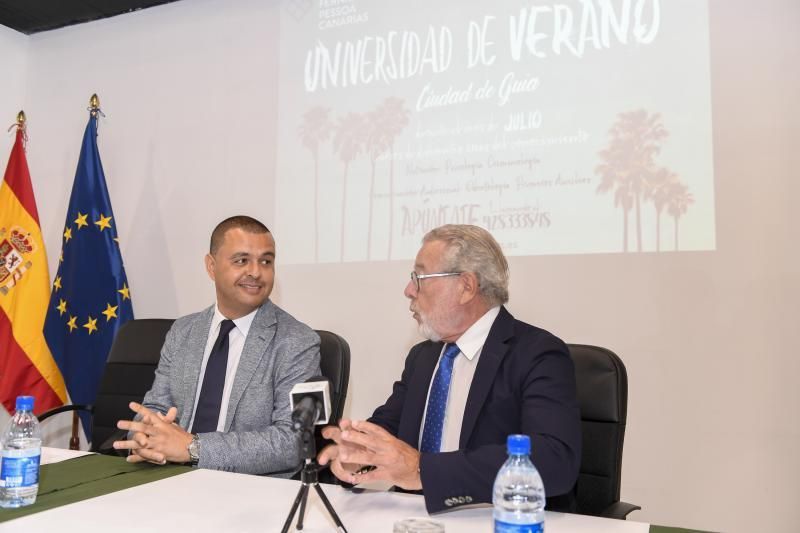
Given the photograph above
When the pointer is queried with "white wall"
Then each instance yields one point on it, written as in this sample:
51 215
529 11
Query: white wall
13 58
708 338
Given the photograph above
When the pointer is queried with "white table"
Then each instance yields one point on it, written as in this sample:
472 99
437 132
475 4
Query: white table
218 502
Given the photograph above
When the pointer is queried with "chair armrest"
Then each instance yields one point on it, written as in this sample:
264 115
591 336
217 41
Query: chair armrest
64 409
107 447
619 510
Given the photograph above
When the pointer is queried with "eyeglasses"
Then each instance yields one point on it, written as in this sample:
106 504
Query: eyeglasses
417 277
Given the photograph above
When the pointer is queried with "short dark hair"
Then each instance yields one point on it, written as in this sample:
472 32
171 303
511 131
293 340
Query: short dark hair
248 224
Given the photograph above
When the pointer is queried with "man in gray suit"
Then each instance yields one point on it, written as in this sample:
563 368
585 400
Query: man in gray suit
220 398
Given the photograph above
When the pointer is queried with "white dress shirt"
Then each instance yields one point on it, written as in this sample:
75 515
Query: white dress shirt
236 339
471 344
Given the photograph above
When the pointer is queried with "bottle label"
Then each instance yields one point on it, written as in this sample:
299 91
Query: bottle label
505 527
20 468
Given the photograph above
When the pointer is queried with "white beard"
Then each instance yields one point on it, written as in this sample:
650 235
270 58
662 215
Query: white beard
427 331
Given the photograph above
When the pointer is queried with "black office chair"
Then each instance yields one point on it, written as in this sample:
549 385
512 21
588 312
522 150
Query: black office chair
334 362
603 399
128 375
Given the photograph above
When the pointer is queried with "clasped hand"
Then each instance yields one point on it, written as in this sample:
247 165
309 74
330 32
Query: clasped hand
155 437
359 443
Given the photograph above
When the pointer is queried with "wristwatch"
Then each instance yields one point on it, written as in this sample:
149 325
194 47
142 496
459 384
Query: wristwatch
194 450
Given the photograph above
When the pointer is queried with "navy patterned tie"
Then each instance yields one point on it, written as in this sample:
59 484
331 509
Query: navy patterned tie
206 417
437 401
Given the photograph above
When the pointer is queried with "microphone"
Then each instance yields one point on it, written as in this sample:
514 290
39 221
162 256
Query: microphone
311 403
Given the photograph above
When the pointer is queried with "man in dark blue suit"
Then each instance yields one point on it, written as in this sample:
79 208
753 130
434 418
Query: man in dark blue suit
481 376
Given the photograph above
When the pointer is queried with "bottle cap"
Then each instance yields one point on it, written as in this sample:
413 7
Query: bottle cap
519 445
24 403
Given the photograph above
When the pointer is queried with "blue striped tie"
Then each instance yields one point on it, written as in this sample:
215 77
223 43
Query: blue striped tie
437 401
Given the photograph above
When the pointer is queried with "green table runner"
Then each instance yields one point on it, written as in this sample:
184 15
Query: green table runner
89 476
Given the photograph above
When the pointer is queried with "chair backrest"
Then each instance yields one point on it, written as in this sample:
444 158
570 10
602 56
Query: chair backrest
602 385
334 363
128 374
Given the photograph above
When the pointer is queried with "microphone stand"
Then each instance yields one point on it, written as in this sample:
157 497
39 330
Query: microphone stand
309 478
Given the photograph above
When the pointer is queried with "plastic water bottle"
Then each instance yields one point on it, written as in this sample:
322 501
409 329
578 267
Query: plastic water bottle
518 491
22 449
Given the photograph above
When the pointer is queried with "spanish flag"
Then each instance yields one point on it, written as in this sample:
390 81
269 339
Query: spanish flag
26 365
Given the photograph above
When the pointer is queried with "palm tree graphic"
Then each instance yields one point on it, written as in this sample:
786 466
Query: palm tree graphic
348 141
658 190
628 163
315 129
394 119
377 142
678 202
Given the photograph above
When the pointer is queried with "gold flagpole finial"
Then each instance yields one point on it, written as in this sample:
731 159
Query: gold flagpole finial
20 124
94 104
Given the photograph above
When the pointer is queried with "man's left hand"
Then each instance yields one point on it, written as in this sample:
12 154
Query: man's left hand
394 460
156 438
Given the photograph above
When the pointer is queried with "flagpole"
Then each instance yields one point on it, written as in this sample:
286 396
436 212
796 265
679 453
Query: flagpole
74 440
74 443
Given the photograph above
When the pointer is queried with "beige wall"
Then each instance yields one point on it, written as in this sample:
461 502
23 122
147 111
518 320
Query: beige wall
708 338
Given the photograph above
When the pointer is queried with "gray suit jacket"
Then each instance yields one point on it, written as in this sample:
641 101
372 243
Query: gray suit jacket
279 352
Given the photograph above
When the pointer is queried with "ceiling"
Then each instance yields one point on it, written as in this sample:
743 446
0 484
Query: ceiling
32 16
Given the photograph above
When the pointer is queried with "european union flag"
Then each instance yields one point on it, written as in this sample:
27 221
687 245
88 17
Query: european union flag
90 299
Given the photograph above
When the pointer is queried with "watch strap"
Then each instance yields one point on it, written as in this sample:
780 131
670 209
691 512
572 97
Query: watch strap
194 450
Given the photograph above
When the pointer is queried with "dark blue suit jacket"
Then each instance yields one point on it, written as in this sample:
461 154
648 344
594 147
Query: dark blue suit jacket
524 383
